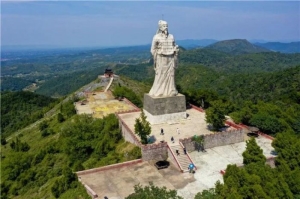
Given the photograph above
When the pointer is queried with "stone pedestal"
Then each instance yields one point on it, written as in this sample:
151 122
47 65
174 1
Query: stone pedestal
164 109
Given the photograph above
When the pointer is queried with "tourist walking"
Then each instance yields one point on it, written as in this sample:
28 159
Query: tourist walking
184 151
177 130
161 131
191 168
172 139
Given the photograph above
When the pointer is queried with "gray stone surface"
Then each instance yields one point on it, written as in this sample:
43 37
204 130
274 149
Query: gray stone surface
157 151
164 105
166 118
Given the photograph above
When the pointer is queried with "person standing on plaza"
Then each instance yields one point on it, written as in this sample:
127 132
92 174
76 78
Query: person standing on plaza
161 131
172 139
191 168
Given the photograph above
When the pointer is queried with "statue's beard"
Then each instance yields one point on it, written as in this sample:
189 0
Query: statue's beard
165 32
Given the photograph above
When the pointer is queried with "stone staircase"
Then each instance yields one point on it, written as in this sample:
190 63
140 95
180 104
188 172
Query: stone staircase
111 80
182 159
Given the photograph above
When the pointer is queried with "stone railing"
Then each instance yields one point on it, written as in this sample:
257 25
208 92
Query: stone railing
127 111
197 108
233 125
113 166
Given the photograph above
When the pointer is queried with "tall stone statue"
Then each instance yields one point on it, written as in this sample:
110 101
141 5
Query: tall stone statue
165 52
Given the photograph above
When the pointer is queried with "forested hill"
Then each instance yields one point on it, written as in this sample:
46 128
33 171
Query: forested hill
38 161
292 47
236 47
19 109
59 75
244 63
260 89
281 85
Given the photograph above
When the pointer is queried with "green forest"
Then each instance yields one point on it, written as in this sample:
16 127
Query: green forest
39 161
19 109
43 141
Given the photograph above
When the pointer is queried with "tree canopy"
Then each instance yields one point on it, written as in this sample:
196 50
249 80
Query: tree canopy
258 180
152 192
142 128
215 115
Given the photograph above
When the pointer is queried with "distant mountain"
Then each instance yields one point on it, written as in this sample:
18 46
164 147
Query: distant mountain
236 47
293 47
253 41
194 43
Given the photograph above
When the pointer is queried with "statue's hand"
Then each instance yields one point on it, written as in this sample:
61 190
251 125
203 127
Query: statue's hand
176 50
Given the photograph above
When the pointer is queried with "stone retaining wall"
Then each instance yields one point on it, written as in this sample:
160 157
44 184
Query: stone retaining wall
127 134
189 144
215 139
223 138
154 151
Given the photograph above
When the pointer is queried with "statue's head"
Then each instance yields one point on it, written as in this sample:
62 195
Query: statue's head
163 26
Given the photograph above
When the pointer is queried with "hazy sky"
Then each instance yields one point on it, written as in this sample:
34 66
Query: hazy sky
110 23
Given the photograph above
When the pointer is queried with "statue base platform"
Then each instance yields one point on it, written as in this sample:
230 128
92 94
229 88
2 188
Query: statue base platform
164 109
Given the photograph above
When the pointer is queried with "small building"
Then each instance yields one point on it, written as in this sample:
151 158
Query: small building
108 73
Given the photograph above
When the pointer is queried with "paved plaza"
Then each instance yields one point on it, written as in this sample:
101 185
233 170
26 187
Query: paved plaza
195 124
118 183
100 104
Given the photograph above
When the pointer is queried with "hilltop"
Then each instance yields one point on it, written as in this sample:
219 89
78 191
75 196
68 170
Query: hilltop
260 89
236 47
38 161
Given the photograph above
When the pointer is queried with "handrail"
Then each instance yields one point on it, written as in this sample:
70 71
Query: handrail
197 108
188 155
175 158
